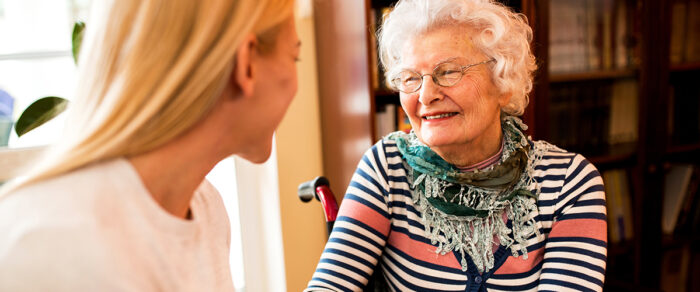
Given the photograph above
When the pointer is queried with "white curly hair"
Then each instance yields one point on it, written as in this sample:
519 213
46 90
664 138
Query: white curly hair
493 28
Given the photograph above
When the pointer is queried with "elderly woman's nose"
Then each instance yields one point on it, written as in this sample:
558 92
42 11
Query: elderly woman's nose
429 91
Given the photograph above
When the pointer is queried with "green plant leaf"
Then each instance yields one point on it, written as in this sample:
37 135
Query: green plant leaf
78 32
39 112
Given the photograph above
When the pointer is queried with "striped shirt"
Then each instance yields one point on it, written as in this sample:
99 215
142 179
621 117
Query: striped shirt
378 224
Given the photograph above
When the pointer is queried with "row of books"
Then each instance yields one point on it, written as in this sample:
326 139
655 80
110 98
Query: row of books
590 35
685 31
588 116
680 214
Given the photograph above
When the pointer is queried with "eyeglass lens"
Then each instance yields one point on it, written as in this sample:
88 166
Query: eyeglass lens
445 74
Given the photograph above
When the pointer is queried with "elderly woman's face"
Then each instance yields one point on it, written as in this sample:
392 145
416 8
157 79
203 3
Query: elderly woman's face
465 114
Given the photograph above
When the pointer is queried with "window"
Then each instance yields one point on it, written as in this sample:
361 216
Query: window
35 56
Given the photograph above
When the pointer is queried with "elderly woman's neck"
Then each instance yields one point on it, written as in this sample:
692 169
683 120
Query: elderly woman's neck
473 152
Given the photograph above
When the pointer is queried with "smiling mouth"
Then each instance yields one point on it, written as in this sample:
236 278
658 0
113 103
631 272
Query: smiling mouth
439 116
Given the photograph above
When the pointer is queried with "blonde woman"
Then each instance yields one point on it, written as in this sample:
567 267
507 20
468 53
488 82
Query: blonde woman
167 90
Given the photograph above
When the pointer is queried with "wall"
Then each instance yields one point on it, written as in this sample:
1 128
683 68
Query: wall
299 159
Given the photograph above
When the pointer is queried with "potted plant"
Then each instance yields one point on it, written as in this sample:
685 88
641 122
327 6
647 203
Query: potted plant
13 161
47 108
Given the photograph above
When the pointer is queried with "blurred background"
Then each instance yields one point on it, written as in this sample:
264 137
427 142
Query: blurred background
617 82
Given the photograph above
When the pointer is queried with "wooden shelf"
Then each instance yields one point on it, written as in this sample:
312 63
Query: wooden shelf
618 155
684 148
683 153
592 75
691 66
671 241
620 248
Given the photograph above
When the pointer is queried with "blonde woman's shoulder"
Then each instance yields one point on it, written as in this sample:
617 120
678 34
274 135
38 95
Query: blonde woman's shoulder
53 232
61 197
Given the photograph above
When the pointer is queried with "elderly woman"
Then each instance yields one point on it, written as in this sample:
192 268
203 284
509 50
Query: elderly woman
168 89
465 201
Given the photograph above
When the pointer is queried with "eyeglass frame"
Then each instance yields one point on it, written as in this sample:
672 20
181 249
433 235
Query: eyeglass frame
432 75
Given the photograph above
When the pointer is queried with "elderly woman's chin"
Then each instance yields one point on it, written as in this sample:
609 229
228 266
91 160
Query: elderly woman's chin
435 139
453 132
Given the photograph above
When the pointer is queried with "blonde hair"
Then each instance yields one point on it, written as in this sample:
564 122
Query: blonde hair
149 70
497 31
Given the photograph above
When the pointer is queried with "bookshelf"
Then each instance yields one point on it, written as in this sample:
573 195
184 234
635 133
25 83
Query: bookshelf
628 103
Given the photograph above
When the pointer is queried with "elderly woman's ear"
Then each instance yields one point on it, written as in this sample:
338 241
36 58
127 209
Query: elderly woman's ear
504 99
244 71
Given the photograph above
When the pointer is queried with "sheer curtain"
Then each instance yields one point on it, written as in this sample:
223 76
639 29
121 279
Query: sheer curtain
251 195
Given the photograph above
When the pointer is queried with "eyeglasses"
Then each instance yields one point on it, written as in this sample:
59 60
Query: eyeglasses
445 74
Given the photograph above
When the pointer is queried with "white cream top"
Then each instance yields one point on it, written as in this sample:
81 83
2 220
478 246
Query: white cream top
99 229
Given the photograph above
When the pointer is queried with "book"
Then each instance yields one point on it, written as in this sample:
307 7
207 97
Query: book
607 34
624 112
594 27
623 36
385 121
692 41
675 265
676 186
679 13
618 203
689 204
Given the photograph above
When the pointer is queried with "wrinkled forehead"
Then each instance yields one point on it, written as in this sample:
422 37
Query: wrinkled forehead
427 49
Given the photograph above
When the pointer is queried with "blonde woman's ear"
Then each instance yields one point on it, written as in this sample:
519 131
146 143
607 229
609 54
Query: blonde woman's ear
244 72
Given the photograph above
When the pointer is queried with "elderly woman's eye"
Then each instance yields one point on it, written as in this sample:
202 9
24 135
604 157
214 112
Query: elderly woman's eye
409 79
448 73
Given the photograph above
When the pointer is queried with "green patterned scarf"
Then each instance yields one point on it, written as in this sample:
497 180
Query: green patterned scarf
463 211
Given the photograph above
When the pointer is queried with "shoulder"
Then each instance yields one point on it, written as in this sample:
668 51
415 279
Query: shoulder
85 201
65 257
549 158
209 206
208 194
563 173
383 157
71 195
